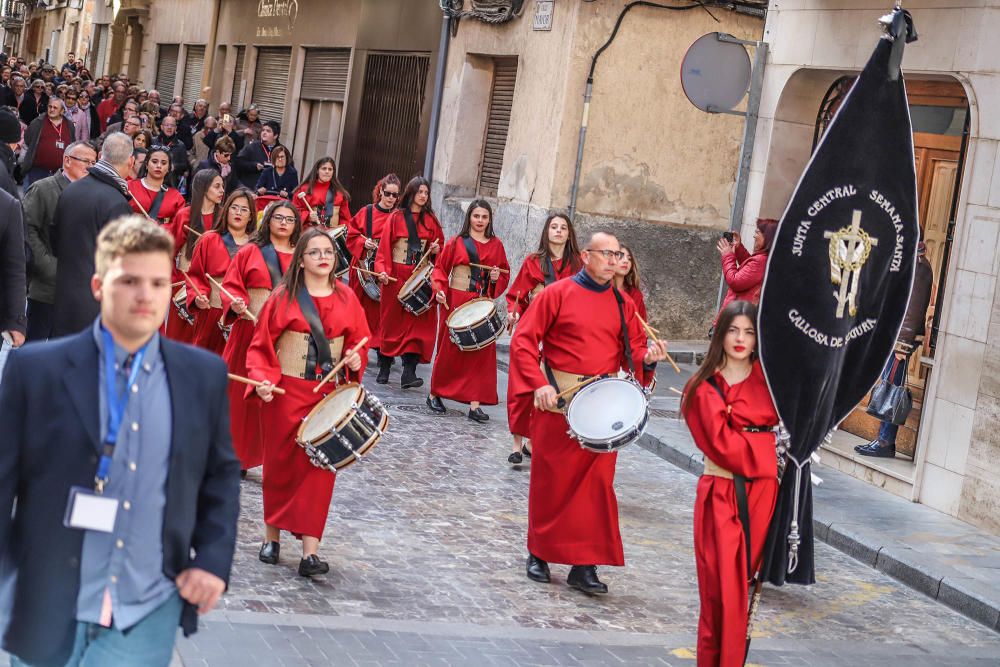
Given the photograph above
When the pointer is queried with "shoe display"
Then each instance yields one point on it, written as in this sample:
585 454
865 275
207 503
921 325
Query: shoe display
269 552
436 405
478 415
312 565
537 569
584 578
515 458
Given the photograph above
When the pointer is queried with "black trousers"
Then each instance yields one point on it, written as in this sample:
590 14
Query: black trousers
39 320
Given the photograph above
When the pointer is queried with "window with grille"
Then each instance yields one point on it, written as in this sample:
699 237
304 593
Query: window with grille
166 70
497 124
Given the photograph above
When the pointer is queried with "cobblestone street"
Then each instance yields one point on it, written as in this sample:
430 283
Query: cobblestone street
426 546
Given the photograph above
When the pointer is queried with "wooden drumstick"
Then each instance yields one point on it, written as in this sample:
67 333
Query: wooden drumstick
193 231
652 334
176 284
340 364
191 282
254 383
676 391
372 273
489 268
517 300
141 209
229 295
305 201
577 386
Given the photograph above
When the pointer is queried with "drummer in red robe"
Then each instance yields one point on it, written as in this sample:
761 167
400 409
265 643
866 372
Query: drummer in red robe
574 327
156 199
729 410
213 253
253 274
557 257
627 281
296 493
410 232
363 234
327 199
468 376
207 192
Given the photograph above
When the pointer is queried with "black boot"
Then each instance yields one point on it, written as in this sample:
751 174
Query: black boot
584 578
384 364
269 553
312 565
478 415
537 569
409 380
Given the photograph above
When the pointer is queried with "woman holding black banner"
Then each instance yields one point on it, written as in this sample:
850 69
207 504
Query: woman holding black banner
729 411
310 309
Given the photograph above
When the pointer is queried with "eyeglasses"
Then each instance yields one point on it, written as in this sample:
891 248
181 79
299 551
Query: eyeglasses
316 253
86 161
283 218
55 107
239 209
609 254
390 194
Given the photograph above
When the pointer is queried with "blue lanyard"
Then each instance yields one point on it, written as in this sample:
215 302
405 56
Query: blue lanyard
116 405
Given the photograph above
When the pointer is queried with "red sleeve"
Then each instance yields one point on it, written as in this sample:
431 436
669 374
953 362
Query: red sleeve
300 205
498 258
233 282
525 374
443 265
517 295
356 234
742 453
638 342
262 360
345 209
746 276
176 228
357 330
383 258
197 272
742 254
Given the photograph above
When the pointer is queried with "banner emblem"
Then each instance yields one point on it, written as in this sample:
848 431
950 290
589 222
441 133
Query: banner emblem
849 250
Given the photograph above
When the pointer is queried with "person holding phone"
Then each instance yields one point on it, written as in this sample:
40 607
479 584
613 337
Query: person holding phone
743 270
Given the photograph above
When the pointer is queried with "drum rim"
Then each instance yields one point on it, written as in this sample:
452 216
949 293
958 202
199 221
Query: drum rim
457 309
369 443
346 417
639 428
402 288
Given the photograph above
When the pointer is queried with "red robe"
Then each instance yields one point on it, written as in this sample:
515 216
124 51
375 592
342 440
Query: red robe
318 201
210 258
401 331
457 375
531 275
572 508
246 271
177 329
640 302
719 543
356 236
172 202
297 493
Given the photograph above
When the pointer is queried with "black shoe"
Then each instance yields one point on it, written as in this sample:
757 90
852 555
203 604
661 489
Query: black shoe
243 474
409 380
478 415
384 364
269 552
436 405
538 570
584 578
879 450
867 445
526 451
312 565
515 458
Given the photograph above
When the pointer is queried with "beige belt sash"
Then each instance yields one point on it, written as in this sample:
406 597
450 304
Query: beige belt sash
564 380
399 249
182 262
461 278
258 295
292 349
214 295
712 468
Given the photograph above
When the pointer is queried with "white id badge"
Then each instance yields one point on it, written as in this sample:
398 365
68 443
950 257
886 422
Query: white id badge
60 145
88 511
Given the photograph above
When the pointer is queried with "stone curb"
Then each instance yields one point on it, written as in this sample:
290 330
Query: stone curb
900 563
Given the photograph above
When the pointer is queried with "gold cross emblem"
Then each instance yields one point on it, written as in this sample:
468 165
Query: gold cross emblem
849 250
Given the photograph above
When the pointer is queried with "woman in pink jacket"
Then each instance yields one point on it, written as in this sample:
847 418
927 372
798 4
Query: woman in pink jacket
744 271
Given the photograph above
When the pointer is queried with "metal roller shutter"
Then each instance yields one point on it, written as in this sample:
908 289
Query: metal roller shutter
166 70
234 98
324 76
501 100
194 66
270 82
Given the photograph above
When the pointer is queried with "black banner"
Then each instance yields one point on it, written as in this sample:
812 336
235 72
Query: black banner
837 284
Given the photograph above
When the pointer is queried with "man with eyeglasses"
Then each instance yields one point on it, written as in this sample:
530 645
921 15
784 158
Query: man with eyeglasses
39 214
584 328
46 140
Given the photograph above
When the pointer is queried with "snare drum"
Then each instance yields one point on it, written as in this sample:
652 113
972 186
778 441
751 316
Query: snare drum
180 303
369 283
339 236
608 414
342 427
417 293
475 324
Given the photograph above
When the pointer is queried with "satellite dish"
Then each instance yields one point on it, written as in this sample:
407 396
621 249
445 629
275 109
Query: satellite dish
715 74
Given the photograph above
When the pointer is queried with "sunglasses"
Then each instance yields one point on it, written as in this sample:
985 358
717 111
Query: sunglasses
394 195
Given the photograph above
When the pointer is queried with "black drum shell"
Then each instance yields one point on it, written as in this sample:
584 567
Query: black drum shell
479 335
352 438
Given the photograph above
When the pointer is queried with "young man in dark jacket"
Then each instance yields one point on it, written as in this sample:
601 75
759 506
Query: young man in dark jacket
257 154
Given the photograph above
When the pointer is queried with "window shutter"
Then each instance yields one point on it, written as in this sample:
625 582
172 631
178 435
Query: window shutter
234 98
166 70
194 65
270 82
324 76
501 101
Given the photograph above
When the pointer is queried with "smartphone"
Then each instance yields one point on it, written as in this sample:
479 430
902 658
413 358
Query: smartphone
729 236
226 118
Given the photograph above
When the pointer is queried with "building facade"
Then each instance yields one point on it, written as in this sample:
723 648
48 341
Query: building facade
948 453
50 30
656 170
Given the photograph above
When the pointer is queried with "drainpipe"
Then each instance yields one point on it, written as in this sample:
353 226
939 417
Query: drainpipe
209 64
439 73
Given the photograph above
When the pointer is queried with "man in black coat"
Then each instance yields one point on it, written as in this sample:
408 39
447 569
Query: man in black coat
256 155
13 287
118 579
84 208
10 137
